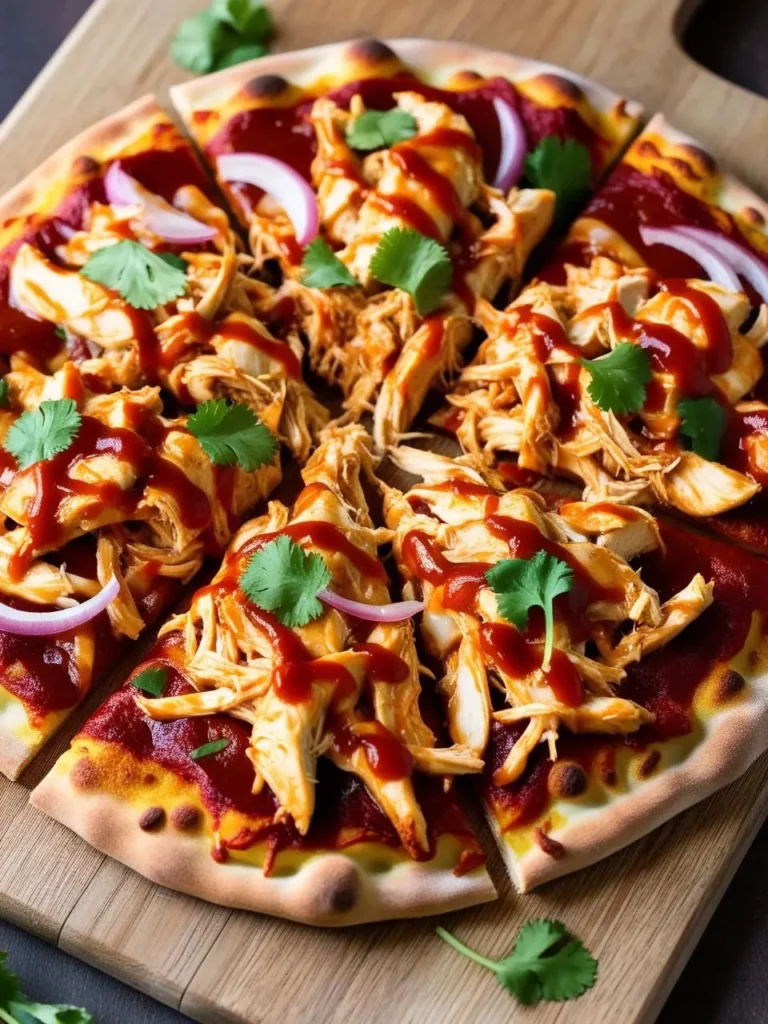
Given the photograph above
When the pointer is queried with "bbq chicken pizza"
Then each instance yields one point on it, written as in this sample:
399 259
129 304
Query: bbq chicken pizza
561 627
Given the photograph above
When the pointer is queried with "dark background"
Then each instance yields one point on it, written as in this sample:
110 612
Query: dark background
726 980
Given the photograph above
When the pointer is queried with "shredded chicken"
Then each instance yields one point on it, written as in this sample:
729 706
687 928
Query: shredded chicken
449 530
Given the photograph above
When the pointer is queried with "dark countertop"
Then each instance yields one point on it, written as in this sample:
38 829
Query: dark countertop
725 980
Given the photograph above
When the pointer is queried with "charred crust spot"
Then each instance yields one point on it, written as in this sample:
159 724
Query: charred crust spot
185 817
85 165
149 779
753 216
469 76
649 764
683 168
608 774
85 774
371 51
265 87
729 684
549 845
344 894
563 86
701 157
648 148
567 780
152 818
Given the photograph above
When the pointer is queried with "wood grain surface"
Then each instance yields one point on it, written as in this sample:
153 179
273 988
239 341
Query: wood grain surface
642 911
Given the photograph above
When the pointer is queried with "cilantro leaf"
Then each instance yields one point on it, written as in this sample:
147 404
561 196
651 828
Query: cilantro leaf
240 54
229 32
209 748
619 379
702 422
3 393
322 268
248 18
174 261
38 436
565 167
142 278
15 1008
285 579
524 583
546 962
60 333
151 680
230 433
406 259
376 128
199 42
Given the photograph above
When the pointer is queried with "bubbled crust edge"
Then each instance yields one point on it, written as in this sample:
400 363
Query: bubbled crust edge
434 59
103 141
736 739
329 889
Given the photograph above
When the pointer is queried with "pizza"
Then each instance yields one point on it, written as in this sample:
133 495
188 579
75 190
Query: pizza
654 688
441 237
325 796
383 348
125 491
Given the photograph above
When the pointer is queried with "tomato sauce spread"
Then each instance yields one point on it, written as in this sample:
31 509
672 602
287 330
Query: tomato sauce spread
44 674
345 813
665 682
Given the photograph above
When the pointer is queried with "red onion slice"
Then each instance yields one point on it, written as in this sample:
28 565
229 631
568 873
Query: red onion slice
13 620
716 268
398 611
744 262
159 217
514 145
285 185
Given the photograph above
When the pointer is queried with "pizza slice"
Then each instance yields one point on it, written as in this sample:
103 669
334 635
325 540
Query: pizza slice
605 665
629 366
115 254
398 166
271 751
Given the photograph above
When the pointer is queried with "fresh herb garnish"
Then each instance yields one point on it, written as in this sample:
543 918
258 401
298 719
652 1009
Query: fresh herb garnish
284 579
229 32
144 279
152 681
60 333
564 167
15 1008
702 422
231 434
3 393
524 583
619 379
546 962
322 268
38 436
174 261
406 259
376 128
209 748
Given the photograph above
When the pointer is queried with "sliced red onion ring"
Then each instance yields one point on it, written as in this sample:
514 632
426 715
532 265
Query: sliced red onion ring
514 145
285 185
13 620
744 262
716 268
398 611
160 217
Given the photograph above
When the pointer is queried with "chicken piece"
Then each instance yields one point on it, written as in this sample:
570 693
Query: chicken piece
337 173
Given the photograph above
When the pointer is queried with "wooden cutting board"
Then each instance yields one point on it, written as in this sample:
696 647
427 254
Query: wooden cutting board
640 912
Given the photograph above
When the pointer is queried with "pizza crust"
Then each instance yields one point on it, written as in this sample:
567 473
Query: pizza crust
734 740
328 889
46 186
433 60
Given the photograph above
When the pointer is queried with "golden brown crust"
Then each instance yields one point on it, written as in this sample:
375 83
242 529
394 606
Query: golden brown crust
130 129
435 61
329 889
732 741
